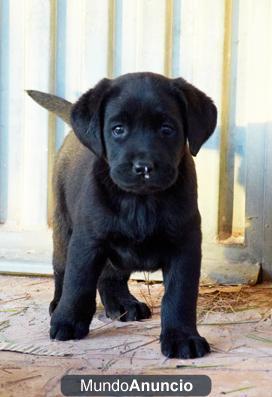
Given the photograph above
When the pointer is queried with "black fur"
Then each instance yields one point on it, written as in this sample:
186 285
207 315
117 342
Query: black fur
126 200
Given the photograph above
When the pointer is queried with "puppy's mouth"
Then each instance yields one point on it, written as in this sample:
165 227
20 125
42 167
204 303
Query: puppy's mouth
139 188
147 183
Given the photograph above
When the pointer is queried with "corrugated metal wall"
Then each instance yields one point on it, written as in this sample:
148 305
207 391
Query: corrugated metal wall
66 46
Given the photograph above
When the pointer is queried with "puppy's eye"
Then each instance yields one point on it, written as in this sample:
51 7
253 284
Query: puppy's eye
167 129
118 130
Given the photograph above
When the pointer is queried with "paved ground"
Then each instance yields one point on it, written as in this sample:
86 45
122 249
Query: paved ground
235 320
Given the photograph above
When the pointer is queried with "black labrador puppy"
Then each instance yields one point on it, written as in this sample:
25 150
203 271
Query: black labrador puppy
126 200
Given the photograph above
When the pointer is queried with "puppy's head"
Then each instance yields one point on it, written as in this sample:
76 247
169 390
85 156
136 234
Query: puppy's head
140 123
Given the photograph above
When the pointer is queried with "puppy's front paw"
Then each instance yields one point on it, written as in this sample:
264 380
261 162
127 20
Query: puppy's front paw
183 345
62 329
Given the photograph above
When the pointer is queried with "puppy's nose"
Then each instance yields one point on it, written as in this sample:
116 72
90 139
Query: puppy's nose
143 167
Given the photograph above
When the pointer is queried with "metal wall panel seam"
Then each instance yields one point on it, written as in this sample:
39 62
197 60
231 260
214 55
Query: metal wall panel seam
176 38
51 116
225 206
168 50
111 37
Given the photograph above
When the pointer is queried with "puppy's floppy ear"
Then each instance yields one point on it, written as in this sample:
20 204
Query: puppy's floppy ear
86 117
200 114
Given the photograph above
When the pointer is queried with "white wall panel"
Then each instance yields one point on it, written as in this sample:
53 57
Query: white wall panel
13 128
67 46
201 55
96 42
35 126
143 35
4 67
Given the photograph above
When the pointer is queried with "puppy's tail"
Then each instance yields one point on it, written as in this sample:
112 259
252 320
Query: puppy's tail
53 103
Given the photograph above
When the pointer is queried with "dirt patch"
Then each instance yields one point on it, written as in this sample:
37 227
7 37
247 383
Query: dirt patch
235 319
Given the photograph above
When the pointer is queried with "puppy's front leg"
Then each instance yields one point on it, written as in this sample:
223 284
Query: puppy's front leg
179 335
85 262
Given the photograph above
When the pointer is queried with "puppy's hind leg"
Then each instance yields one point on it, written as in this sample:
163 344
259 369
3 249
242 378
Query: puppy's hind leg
116 298
61 238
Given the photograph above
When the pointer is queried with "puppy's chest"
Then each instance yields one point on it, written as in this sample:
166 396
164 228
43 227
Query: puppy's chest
140 240
146 255
137 220
141 221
